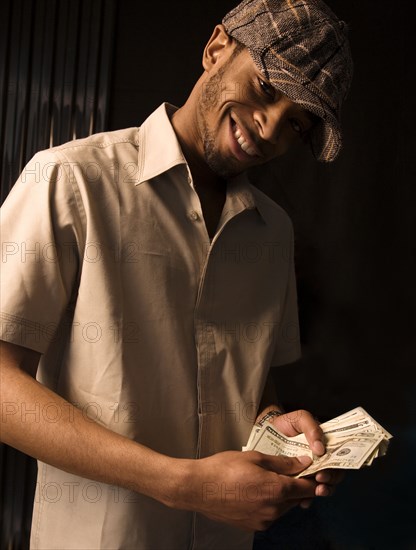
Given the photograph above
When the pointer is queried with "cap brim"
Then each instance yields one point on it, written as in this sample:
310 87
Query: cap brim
325 137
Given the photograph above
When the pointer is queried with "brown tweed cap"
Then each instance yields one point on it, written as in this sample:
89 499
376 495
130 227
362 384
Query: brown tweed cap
302 48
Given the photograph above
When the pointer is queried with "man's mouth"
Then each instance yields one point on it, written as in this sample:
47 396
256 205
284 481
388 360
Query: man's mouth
244 142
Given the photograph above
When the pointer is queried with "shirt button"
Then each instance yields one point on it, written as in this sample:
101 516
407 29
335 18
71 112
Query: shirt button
194 215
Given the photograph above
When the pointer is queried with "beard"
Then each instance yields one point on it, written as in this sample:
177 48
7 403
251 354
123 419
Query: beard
213 158
210 99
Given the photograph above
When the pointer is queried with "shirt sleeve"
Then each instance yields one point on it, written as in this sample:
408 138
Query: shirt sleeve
42 236
288 347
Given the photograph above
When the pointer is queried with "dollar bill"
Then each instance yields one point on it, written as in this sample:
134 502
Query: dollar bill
353 440
351 454
272 442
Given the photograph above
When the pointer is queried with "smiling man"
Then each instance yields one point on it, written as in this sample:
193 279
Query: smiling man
239 119
151 289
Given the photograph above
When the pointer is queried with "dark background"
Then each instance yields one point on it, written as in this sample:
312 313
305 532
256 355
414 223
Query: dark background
354 219
354 227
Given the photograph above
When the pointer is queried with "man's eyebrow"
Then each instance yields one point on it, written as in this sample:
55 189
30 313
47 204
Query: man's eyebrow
312 117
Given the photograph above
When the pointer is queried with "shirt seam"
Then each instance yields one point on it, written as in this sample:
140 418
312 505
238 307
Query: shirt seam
102 145
78 200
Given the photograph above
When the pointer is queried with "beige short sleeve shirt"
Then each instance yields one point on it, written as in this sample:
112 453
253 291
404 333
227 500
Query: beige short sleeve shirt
145 324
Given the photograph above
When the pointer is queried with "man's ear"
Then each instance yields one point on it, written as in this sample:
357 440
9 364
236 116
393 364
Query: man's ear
218 45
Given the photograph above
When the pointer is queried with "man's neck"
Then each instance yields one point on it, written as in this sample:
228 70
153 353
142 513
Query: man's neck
211 188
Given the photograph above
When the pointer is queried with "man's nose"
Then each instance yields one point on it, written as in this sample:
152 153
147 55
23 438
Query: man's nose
271 119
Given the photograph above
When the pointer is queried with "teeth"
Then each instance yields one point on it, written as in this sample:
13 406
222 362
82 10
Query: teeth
243 143
247 149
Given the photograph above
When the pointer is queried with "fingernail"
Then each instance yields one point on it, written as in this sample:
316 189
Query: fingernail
323 491
319 447
305 504
305 460
323 477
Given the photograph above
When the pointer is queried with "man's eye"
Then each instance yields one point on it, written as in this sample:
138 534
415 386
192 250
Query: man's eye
296 126
267 88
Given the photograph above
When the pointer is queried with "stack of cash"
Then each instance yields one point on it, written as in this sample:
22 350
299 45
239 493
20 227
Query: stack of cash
352 440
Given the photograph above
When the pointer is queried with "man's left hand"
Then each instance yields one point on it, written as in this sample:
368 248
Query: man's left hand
301 421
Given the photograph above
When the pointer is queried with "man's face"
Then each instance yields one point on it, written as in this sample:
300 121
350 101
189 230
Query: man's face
243 121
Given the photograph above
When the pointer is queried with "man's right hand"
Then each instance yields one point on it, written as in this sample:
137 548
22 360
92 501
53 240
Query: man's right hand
248 490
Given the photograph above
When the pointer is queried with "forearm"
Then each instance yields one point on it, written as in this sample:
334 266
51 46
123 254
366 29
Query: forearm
80 446
77 444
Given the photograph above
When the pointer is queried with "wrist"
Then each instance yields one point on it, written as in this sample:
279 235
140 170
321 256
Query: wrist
176 479
151 473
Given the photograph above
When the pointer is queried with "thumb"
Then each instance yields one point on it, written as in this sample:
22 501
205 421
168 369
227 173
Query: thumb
285 464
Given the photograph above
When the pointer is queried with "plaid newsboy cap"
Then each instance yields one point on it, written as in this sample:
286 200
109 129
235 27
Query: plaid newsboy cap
302 48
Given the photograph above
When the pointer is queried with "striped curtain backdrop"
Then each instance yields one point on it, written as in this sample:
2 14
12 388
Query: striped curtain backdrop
55 74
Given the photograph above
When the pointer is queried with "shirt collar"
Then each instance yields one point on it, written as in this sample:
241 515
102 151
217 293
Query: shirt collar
159 149
240 187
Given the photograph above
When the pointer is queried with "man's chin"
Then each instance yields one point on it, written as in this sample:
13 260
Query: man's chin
224 170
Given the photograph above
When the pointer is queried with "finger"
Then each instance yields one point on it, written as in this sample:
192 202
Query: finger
324 490
293 489
306 423
276 512
330 477
306 503
327 482
284 464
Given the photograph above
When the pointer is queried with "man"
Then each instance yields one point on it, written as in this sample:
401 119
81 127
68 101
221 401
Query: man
155 288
